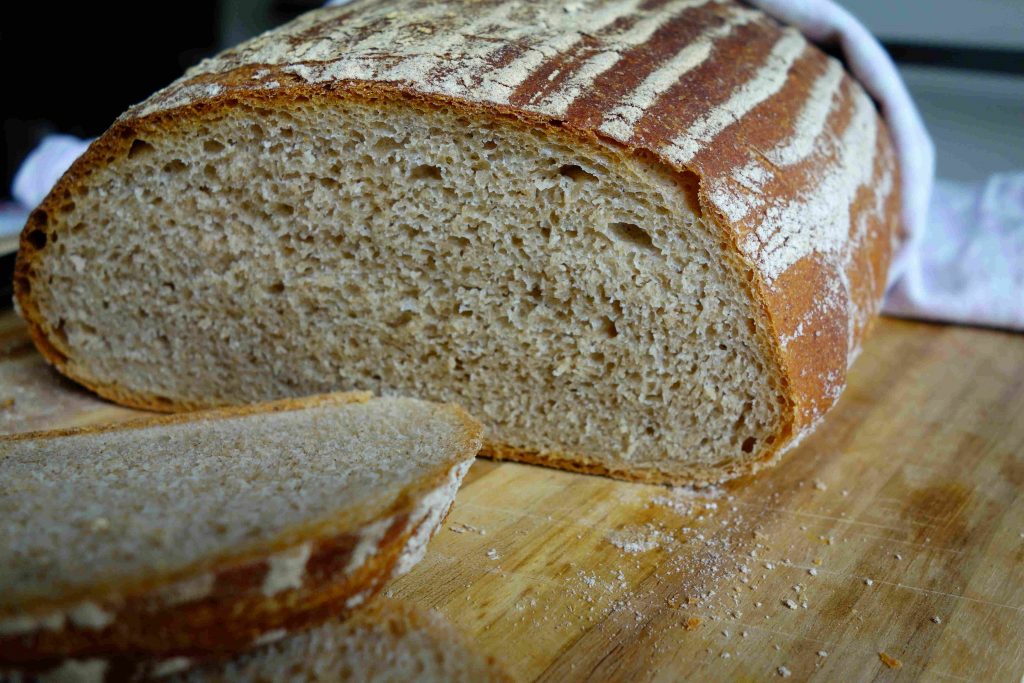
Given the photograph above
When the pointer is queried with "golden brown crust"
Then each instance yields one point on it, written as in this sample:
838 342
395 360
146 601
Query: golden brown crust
775 133
166 615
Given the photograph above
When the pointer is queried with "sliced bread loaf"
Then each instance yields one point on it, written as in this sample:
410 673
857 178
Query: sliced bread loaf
644 239
200 534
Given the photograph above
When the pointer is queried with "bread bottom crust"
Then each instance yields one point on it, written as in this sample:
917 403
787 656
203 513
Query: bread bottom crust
697 477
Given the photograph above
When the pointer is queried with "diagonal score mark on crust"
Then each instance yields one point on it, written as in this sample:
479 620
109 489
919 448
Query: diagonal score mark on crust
559 101
620 122
765 83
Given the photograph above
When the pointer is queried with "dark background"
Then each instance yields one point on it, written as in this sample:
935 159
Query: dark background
74 67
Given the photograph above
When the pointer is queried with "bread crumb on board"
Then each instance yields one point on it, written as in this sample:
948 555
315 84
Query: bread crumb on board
889 661
784 672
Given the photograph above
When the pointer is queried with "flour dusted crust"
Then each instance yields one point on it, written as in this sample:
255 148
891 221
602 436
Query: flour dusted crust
233 602
790 159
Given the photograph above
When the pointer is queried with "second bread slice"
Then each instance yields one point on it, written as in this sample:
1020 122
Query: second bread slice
201 534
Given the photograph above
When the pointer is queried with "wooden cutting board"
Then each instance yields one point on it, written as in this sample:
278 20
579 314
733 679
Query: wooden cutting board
889 546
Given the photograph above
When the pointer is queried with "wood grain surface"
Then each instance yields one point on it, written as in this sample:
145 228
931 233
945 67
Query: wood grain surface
889 546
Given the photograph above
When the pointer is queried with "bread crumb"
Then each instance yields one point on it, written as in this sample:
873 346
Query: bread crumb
692 623
890 662
818 561
820 485
492 554
812 571
869 582
936 619
823 653
789 603
784 672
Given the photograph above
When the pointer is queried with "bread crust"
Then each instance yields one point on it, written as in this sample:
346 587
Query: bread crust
223 604
816 280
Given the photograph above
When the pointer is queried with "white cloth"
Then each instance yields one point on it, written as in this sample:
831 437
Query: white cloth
825 22
44 166
966 265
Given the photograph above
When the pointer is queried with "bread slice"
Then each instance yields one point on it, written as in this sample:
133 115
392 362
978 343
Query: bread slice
199 534
388 641
643 239
385 641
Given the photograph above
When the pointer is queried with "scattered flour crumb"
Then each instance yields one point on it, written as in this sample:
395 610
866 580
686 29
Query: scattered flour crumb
789 603
820 485
823 653
936 619
492 554
784 672
890 661
634 540
812 571
869 582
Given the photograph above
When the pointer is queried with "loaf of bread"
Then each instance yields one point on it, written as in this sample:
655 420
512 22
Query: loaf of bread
639 239
199 535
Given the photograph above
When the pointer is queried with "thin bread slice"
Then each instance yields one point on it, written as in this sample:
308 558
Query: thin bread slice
389 640
198 534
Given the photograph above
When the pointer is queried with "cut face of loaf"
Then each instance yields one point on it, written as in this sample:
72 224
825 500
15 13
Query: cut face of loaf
655 268
197 535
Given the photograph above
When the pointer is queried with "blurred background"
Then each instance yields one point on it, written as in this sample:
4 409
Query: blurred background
75 68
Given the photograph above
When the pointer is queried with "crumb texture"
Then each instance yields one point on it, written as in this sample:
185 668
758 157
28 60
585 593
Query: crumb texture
128 503
571 297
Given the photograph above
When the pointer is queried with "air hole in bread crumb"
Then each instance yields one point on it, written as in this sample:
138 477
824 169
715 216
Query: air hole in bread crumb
402 319
174 166
138 148
387 144
609 328
282 209
748 444
37 238
276 287
576 173
213 146
425 172
633 234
